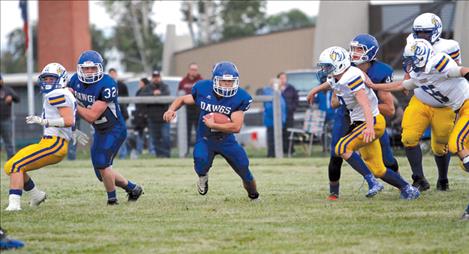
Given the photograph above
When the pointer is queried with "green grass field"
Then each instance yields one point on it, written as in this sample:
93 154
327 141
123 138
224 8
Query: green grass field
292 217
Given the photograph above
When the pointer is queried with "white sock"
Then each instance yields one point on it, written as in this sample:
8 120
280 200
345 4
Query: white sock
14 200
465 160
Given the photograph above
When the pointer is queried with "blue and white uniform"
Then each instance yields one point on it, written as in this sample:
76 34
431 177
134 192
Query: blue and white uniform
211 142
110 130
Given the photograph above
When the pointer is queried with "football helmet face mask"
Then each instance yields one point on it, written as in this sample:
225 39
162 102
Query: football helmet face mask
427 26
90 67
225 71
334 61
416 55
55 71
363 48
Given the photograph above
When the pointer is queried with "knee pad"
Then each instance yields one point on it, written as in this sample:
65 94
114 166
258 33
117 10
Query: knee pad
7 167
439 149
335 166
452 147
409 138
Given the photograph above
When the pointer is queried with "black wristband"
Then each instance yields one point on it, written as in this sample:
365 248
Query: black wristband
467 76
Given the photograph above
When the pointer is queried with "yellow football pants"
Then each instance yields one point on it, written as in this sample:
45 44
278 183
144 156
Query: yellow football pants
370 152
418 116
459 138
50 150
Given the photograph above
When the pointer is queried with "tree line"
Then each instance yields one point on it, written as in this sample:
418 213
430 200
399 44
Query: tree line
208 22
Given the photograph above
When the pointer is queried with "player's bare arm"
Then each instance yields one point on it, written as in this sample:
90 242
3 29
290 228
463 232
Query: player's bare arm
170 114
386 107
369 132
67 114
396 86
92 114
459 71
323 87
334 100
237 119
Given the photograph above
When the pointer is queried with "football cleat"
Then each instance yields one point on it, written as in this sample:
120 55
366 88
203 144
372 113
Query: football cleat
112 201
135 193
7 243
13 208
465 215
409 192
251 188
442 185
202 185
37 199
421 183
377 187
333 197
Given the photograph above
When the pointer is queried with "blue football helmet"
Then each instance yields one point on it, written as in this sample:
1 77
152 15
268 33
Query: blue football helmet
363 48
90 58
225 71
416 55
56 71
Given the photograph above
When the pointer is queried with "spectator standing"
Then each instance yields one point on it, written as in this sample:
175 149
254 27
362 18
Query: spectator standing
290 94
7 97
159 129
140 118
122 91
269 118
186 85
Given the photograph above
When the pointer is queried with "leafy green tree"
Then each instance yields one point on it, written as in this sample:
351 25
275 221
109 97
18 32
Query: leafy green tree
133 35
292 19
99 41
13 57
242 18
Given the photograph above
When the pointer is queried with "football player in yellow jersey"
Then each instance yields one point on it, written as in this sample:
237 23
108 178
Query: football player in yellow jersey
58 117
367 123
424 110
440 75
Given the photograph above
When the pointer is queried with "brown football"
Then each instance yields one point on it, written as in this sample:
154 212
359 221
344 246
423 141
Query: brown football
219 118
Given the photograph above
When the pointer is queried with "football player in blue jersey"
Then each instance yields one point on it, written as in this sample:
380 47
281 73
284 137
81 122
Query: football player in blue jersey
96 94
363 51
219 95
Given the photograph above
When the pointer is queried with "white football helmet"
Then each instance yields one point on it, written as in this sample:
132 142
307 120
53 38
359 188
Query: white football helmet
334 61
416 55
57 71
427 26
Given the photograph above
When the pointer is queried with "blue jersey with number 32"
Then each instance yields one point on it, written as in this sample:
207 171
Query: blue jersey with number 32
103 90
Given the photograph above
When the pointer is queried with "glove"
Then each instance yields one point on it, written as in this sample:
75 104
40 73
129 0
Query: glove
36 120
80 136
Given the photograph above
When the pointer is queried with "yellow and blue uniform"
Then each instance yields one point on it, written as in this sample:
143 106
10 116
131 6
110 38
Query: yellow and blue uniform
52 148
459 138
452 94
351 82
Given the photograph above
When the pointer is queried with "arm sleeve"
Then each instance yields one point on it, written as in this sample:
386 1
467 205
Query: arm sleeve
59 100
108 93
356 83
246 104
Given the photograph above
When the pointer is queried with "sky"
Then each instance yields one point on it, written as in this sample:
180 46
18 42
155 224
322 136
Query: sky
165 12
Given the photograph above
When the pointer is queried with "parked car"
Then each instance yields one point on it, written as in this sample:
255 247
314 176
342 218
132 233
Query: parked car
303 81
254 133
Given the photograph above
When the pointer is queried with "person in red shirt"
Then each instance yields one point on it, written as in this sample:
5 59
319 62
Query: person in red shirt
185 85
